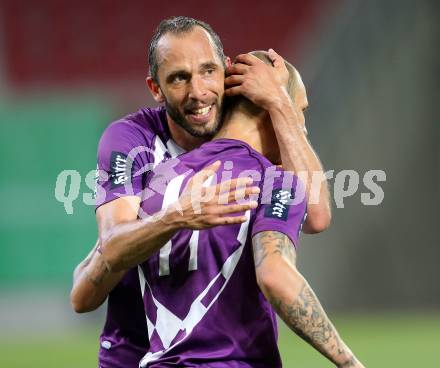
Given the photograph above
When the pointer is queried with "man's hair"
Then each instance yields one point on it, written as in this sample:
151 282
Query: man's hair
177 26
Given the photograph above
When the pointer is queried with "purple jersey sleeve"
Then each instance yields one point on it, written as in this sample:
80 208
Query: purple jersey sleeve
122 161
282 204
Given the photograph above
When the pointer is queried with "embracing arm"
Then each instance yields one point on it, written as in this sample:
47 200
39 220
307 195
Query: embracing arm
265 86
297 155
124 241
294 300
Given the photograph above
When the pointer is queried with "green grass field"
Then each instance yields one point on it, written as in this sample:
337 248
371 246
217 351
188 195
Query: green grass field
380 341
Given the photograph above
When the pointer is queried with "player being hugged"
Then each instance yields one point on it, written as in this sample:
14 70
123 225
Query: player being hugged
210 295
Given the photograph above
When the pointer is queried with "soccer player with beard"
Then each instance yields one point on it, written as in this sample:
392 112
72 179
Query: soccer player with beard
187 68
208 293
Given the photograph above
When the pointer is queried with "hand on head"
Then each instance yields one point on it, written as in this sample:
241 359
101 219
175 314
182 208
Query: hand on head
257 80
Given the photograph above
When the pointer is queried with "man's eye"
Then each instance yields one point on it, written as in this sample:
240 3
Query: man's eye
179 78
209 71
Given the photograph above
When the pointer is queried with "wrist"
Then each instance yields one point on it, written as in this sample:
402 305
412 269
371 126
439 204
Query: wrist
286 121
279 101
171 219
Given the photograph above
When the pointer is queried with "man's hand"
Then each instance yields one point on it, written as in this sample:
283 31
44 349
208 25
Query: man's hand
201 206
262 84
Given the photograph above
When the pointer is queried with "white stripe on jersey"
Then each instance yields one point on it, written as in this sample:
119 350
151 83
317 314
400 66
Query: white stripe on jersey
168 325
159 151
173 149
171 195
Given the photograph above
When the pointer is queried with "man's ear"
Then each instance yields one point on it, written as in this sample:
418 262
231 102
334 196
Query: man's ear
228 61
155 90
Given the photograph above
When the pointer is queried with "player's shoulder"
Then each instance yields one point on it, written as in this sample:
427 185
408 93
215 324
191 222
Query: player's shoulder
150 119
137 128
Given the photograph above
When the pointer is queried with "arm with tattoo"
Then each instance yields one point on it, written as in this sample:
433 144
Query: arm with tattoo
294 300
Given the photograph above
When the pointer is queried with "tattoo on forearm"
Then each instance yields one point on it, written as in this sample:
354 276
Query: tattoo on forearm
98 274
349 363
308 320
272 242
304 315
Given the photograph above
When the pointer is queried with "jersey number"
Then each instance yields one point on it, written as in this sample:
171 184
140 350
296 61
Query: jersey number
171 196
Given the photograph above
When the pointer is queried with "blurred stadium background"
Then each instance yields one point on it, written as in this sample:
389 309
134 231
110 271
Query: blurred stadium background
69 68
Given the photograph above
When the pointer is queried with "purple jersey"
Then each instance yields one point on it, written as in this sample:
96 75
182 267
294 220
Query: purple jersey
202 302
128 149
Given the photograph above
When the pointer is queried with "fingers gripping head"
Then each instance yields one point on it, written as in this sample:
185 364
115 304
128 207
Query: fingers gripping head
293 82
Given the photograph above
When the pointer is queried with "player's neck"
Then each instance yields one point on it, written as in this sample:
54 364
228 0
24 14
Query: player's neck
244 127
182 138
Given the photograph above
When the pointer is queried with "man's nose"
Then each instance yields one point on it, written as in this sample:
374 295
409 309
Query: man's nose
197 89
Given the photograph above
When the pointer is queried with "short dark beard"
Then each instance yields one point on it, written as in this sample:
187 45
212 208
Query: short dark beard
180 120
